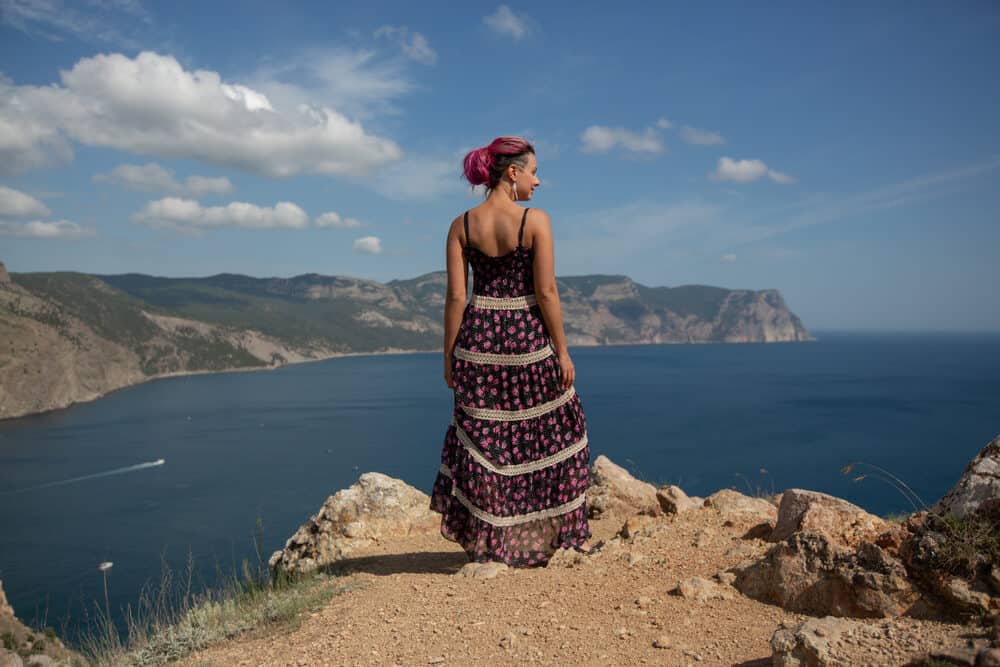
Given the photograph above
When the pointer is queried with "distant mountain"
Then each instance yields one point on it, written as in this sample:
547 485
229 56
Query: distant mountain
70 337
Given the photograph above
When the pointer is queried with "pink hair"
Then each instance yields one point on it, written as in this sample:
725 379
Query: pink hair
486 164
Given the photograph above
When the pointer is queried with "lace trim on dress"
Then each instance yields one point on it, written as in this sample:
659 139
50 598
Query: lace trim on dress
497 520
498 303
518 468
504 359
516 415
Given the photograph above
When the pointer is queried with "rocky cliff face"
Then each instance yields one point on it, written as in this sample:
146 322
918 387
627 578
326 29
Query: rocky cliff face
69 337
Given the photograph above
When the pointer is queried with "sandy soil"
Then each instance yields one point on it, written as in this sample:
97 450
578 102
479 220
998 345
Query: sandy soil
613 608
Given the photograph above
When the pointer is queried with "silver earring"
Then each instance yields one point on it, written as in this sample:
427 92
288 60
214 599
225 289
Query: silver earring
515 190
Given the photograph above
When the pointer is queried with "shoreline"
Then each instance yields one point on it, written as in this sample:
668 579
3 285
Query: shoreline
337 355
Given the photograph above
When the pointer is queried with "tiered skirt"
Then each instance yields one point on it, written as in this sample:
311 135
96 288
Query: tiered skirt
513 477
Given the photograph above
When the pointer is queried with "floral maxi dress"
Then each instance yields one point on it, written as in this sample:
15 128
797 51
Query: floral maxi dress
514 466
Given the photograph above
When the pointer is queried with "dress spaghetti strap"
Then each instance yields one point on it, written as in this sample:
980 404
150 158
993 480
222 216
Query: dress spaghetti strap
466 229
520 233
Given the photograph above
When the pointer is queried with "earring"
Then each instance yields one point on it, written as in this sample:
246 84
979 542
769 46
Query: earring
515 189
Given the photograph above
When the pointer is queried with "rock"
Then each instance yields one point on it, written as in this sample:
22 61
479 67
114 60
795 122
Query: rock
696 588
566 557
10 659
4 276
844 523
952 595
809 573
969 653
823 642
662 642
374 507
734 505
40 660
674 501
980 482
482 570
634 525
5 608
989 657
613 490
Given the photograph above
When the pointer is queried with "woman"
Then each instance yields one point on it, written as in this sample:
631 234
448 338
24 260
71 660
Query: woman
514 466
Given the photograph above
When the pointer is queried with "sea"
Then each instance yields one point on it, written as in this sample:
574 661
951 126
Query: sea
209 470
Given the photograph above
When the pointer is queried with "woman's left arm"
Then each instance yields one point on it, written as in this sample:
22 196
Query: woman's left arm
456 294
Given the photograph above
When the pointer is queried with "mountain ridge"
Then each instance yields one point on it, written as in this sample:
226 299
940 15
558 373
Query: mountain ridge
75 336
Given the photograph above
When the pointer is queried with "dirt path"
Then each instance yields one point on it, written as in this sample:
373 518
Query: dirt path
611 609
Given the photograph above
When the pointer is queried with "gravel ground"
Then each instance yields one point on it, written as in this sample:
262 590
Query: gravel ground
612 608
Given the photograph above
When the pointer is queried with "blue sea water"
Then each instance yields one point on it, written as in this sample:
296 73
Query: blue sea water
275 445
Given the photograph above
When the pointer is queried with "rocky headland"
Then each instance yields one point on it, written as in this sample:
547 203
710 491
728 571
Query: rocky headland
798 579
72 337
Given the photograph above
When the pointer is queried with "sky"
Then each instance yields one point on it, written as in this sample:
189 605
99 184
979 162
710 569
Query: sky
846 154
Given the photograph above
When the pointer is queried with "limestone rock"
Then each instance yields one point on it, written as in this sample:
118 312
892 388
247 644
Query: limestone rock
809 573
979 483
5 608
374 507
826 642
614 491
482 570
697 588
10 658
673 500
971 653
734 505
842 522
634 525
4 276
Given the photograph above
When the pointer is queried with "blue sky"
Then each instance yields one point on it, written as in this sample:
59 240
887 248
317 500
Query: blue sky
846 154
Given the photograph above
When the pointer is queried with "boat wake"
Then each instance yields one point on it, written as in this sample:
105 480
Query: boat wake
96 475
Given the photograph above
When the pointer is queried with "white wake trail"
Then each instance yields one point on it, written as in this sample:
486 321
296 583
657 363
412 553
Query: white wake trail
106 473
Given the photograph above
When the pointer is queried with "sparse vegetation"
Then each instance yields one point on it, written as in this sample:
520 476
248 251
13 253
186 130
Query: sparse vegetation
170 621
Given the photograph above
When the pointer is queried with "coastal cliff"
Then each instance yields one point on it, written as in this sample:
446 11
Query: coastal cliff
72 337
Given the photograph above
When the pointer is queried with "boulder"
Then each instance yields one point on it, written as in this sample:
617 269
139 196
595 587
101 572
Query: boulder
700 589
809 573
487 570
374 507
5 608
830 642
734 505
613 490
954 562
843 523
673 500
979 483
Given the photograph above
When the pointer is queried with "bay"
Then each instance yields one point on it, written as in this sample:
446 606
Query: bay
274 445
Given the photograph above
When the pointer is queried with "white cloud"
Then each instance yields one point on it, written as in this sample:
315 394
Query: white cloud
332 219
780 177
151 177
186 215
151 105
28 136
371 245
506 23
693 135
420 178
414 45
59 230
601 139
358 83
93 22
19 205
744 171
664 124
728 258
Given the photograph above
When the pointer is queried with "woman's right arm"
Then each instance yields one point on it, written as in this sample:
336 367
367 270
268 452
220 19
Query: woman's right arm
546 292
